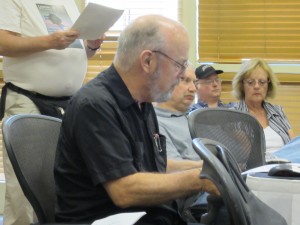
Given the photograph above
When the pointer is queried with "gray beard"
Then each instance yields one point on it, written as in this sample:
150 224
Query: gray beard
155 94
164 97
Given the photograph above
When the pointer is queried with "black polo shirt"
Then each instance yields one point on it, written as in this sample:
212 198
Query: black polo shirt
104 136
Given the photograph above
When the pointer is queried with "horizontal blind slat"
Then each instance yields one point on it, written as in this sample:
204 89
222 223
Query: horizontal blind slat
231 30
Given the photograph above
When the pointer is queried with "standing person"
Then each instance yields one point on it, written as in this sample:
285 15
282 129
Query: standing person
43 65
110 156
173 121
209 88
253 85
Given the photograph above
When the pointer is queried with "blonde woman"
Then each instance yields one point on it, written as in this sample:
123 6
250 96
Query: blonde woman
253 84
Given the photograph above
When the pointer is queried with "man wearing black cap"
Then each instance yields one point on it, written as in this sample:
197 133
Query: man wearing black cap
209 88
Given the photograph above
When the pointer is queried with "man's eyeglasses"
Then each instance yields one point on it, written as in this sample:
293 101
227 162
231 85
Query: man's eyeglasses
252 82
181 67
208 81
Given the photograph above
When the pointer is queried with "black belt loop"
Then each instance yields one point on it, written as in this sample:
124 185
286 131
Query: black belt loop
3 100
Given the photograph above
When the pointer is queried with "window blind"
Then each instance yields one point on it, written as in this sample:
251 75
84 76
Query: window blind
232 30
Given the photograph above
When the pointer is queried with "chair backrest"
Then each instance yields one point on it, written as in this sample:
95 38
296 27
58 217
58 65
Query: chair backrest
30 142
222 169
238 131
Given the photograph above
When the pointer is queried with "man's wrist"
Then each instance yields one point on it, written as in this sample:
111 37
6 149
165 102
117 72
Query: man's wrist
93 49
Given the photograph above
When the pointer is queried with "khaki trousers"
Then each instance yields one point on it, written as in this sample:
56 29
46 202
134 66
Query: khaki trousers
17 209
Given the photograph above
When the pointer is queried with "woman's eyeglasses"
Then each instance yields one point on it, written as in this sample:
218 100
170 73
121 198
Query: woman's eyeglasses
252 82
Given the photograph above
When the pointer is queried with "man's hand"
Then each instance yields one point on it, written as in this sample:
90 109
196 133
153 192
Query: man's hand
62 39
209 187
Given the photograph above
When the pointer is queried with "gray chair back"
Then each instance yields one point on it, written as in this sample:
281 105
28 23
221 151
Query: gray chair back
242 205
30 142
238 131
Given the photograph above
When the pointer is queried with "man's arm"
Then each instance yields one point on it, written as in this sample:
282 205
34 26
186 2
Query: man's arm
92 46
13 45
172 151
179 165
175 160
147 189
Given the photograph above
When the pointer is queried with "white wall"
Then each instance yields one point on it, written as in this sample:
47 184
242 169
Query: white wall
2 192
189 19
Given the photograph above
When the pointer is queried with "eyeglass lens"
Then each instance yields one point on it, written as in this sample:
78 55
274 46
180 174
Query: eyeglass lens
252 82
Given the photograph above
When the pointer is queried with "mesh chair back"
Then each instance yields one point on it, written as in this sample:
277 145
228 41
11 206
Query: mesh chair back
238 131
243 206
30 141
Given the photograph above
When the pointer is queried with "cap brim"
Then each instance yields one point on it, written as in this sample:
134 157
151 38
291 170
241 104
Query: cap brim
219 71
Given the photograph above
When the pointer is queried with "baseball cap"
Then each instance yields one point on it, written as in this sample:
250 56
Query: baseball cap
204 71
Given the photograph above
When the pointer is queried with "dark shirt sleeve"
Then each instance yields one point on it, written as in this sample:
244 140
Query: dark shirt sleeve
101 142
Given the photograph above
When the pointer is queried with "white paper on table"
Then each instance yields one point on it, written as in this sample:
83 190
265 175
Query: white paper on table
120 219
95 20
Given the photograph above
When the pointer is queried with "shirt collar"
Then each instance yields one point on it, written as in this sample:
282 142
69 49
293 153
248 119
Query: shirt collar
266 106
205 105
167 113
116 86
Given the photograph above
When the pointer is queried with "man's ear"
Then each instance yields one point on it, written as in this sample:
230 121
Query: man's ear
146 60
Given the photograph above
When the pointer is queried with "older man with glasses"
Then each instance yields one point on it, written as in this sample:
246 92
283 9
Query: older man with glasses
110 149
208 84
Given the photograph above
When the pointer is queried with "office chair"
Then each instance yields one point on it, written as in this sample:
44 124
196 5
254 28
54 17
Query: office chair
30 142
242 205
238 131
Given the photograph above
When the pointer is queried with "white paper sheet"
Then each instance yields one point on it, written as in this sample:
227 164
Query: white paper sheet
95 20
120 219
